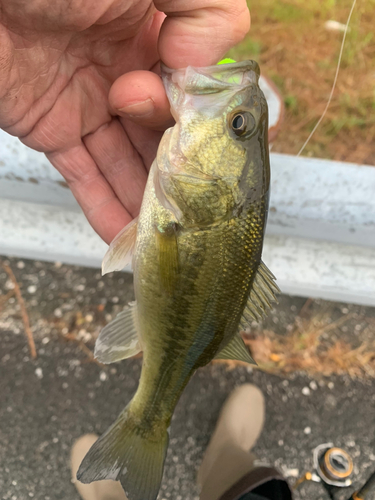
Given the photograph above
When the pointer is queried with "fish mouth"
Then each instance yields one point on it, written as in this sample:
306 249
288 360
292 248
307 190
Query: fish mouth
209 88
211 79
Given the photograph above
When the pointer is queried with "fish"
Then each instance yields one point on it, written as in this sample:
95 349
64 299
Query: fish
196 255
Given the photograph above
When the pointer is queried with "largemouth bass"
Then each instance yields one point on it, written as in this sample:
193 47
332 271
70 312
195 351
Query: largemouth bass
196 253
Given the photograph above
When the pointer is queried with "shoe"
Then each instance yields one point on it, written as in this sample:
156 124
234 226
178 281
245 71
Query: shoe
98 490
239 425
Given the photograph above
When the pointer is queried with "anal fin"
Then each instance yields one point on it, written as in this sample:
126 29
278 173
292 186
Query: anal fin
236 350
119 339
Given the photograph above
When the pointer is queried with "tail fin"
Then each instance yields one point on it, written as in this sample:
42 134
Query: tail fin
127 453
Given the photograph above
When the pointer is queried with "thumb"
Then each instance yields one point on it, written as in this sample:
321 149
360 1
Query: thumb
199 33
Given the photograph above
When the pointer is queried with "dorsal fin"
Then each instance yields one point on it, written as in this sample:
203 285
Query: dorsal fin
120 251
262 294
119 339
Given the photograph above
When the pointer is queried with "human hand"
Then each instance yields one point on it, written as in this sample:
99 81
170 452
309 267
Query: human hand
78 81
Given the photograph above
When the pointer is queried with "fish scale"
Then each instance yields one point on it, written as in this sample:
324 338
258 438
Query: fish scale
198 275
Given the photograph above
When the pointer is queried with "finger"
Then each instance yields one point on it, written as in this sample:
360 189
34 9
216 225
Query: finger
101 206
140 96
144 140
119 163
200 33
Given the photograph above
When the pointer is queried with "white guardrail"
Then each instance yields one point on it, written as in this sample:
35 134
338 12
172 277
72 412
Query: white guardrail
320 239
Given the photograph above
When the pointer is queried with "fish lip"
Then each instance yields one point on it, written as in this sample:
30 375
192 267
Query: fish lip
212 79
248 65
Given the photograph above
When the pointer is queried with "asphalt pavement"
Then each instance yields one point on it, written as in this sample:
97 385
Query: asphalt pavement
49 402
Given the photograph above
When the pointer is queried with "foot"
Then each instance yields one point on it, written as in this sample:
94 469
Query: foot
239 425
99 490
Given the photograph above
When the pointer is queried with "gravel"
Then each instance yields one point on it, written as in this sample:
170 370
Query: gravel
49 402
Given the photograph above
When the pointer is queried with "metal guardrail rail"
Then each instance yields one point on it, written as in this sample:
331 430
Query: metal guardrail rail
320 239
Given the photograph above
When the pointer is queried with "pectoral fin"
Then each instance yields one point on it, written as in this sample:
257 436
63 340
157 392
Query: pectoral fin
119 339
120 251
236 350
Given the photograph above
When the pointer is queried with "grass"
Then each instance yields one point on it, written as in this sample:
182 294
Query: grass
291 103
313 345
304 350
292 46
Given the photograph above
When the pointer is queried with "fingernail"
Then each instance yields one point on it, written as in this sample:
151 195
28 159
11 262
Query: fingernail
139 109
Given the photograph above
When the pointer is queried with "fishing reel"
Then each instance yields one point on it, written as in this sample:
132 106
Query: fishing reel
333 468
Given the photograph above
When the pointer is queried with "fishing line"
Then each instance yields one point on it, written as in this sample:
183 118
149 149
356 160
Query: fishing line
334 81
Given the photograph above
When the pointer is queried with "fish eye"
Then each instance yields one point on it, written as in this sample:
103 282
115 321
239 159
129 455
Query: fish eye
239 123
242 122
